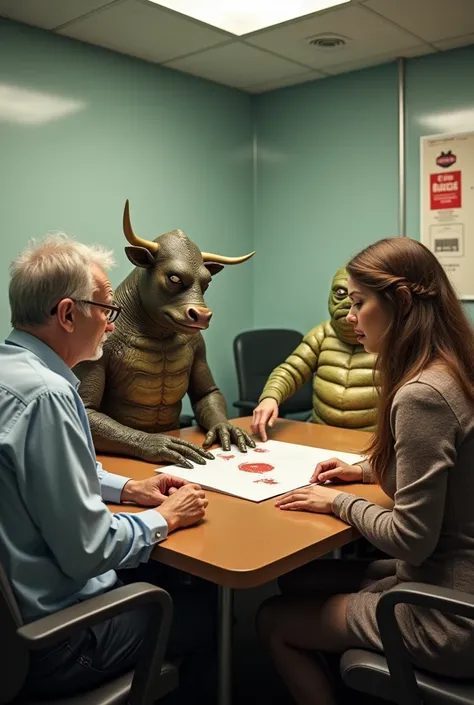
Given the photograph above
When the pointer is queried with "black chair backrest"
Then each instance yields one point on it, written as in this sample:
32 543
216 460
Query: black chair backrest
256 354
14 663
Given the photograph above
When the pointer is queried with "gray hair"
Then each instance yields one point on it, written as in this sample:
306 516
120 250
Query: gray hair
55 268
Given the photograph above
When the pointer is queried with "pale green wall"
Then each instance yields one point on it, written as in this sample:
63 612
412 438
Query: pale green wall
178 147
326 186
326 179
327 174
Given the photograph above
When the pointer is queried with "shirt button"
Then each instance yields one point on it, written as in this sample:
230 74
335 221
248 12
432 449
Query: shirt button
158 535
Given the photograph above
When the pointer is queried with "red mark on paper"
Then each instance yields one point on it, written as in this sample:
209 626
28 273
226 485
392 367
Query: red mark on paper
261 450
266 481
225 457
258 468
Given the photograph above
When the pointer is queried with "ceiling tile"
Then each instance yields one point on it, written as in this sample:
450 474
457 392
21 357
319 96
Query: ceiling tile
454 42
48 13
366 33
432 20
144 30
236 65
380 59
284 82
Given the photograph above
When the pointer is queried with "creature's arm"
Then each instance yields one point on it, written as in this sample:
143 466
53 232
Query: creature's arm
110 436
209 405
297 369
207 401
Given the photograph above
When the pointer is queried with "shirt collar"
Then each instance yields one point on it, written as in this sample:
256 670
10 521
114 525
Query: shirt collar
44 352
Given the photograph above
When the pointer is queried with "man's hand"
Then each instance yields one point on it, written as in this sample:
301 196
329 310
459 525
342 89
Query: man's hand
265 413
184 507
158 448
335 469
225 433
308 499
152 491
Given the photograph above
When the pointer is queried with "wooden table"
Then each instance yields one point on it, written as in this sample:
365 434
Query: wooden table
243 544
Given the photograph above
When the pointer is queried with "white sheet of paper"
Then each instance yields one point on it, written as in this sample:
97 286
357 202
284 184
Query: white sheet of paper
270 469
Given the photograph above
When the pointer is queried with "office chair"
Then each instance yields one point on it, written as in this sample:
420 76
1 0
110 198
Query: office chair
391 676
186 420
256 354
150 681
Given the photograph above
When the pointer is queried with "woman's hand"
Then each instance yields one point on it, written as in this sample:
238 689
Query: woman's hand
266 412
314 498
335 469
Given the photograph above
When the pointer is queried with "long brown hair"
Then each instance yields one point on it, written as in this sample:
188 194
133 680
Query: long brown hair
427 325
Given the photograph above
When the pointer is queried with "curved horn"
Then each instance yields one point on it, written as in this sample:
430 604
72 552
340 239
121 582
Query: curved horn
130 235
221 259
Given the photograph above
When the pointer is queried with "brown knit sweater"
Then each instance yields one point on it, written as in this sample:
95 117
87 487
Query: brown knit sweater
430 530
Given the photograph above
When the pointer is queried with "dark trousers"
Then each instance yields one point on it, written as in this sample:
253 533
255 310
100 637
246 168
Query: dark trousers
105 651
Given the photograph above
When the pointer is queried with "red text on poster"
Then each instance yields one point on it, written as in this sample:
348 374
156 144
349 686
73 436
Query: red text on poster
445 190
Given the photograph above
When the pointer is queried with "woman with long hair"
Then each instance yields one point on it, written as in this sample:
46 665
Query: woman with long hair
422 454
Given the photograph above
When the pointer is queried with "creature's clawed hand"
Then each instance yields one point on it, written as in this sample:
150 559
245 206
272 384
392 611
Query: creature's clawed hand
159 448
226 434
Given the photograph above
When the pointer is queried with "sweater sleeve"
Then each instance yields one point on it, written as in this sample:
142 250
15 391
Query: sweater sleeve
425 430
368 477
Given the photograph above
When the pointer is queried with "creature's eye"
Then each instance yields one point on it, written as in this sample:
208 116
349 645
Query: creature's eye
341 292
174 279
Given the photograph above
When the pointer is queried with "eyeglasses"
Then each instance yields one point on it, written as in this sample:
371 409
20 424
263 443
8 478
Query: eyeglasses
112 311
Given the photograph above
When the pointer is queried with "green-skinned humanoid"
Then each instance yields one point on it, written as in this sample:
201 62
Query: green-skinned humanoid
344 394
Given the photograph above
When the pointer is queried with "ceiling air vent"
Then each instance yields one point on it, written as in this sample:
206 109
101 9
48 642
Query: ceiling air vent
327 41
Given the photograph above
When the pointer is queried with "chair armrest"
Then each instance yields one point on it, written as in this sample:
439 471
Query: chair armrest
55 627
49 630
242 404
430 596
396 654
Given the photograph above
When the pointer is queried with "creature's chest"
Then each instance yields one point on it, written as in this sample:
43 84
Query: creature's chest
147 375
345 365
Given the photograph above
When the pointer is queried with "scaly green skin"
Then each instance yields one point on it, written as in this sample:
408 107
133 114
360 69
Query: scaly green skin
134 392
343 389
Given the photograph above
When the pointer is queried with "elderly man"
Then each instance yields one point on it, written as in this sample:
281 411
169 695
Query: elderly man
59 543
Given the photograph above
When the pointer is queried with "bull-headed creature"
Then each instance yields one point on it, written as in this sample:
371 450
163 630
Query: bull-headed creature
157 354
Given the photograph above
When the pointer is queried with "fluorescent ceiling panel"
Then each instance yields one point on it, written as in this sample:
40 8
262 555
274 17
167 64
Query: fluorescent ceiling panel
243 16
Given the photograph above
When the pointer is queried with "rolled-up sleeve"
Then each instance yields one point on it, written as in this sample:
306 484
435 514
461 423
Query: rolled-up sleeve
60 485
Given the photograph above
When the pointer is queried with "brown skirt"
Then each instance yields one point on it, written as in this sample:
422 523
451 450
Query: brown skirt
436 642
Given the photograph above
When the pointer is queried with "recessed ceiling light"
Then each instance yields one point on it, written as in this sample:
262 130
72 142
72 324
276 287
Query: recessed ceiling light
243 16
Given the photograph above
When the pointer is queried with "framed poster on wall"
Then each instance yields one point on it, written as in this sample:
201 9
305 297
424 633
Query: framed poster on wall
447 205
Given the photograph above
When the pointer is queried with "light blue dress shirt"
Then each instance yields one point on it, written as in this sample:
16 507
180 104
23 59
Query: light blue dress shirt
59 543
